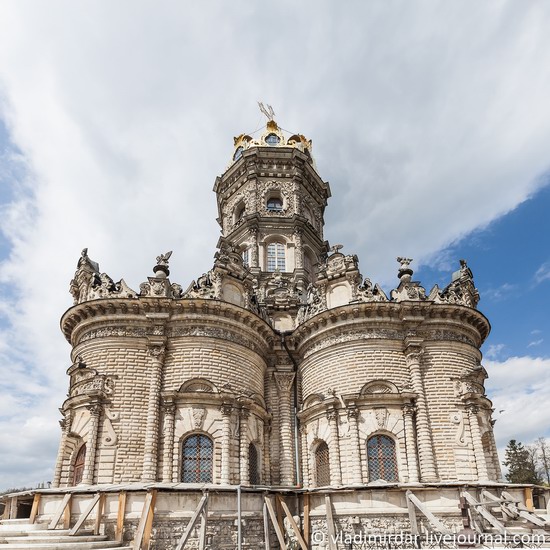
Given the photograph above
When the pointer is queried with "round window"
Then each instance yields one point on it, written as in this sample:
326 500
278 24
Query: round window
272 139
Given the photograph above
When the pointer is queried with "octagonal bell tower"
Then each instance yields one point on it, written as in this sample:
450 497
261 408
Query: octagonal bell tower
271 203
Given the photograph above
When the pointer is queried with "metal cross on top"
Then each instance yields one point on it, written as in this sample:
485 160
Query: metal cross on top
268 112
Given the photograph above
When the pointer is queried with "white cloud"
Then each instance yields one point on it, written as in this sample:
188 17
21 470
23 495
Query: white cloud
421 117
520 388
494 351
542 273
535 343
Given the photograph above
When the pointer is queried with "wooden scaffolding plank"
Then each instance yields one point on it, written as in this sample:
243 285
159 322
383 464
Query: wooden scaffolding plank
35 505
119 533
429 515
142 521
84 516
276 526
149 521
484 513
202 533
192 522
306 517
59 512
293 524
330 524
266 528
99 514
412 516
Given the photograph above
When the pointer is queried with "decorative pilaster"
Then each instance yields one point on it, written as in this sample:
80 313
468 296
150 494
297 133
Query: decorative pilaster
267 452
356 474
169 411
334 448
91 445
244 461
299 251
65 424
226 410
284 382
254 259
306 481
412 462
425 446
150 452
482 473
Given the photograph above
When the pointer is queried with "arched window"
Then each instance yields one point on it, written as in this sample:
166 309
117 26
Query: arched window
253 465
240 212
246 257
78 468
381 458
197 453
274 204
276 257
322 465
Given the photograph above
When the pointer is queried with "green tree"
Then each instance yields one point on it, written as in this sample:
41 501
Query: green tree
521 463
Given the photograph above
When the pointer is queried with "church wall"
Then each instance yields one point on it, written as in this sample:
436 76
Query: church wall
219 361
125 360
442 362
347 366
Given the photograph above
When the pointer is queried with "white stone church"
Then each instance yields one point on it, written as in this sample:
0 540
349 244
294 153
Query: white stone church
281 400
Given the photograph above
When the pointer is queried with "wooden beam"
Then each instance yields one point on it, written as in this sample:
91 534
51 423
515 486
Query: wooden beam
7 506
280 519
85 514
149 523
306 518
412 516
429 515
276 526
142 521
484 513
192 522
293 524
266 528
99 515
35 505
119 533
67 513
202 532
59 511
528 492
330 524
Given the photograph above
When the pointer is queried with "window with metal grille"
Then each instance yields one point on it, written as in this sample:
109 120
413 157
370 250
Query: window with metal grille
275 204
197 451
253 465
246 256
381 458
322 465
78 469
275 257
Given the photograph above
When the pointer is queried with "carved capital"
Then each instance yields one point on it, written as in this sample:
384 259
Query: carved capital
284 381
226 409
332 415
156 351
353 412
169 408
472 410
244 413
95 409
409 409
413 356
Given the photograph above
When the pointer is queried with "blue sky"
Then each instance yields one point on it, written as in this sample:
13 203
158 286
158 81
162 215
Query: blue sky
430 120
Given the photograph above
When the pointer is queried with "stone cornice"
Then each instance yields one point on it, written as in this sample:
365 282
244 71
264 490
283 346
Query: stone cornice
390 320
134 313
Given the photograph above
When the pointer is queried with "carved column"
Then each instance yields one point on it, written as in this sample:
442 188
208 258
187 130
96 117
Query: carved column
254 259
299 254
150 451
412 462
91 444
356 473
267 452
243 447
334 448
425 446
65 424
482 473
226 410
306 482
284 382
169 410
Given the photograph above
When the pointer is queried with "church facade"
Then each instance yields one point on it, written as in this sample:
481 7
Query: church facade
282 371
280 366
